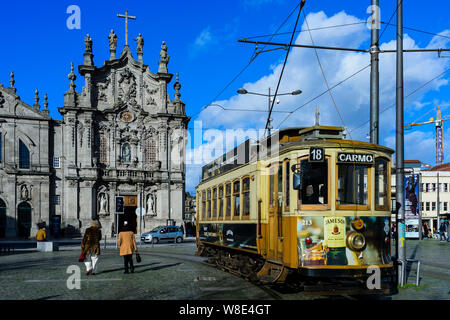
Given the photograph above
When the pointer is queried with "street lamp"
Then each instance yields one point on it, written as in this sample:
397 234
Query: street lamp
293 93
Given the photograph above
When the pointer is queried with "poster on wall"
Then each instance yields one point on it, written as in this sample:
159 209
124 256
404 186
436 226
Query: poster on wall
412 228
412 209
412 197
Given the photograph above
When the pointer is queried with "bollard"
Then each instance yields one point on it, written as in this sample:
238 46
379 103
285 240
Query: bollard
105 241
417 271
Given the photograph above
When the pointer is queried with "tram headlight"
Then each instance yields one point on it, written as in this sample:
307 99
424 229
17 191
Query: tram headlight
356 241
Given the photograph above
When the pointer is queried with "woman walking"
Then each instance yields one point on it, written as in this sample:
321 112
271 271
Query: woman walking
127 245
90 245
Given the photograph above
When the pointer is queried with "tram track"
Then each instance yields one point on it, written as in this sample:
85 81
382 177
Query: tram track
192 258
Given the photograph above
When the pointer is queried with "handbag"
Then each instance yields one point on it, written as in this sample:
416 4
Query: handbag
138 258
81 258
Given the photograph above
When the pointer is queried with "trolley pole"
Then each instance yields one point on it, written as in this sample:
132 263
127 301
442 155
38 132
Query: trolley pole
374 73
400 174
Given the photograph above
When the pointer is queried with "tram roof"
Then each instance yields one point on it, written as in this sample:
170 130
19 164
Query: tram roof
282 139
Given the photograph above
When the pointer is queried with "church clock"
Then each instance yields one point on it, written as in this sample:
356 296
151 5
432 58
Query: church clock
127 116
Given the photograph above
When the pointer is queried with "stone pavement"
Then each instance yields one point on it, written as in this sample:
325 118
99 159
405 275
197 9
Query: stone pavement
434 271
43 275
172 272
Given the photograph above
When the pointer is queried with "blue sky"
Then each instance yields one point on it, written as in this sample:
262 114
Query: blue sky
202 42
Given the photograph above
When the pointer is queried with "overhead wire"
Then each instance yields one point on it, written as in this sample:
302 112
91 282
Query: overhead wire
253 57
302 3
408 95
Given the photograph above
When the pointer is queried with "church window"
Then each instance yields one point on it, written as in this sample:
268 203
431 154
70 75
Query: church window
150 152
103 149
126 152
24 156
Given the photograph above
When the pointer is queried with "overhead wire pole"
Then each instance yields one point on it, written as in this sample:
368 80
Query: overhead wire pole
374 74
399 152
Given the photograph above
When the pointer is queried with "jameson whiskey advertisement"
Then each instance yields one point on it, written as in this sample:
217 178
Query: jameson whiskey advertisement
334 232
323 241
334 240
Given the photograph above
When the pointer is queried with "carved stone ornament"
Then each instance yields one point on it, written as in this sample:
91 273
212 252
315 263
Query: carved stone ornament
127 116
127 86
101 90
2 100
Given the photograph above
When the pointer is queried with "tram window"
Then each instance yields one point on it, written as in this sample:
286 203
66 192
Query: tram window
314 182
280 184
228 196
237 198
214 210
353 184
272 188
246 197
221 201
286 185
209 203
381 184
204 204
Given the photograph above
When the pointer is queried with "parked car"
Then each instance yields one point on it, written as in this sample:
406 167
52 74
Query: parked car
162 233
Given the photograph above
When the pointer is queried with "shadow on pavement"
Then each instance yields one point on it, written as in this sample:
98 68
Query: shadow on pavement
122 268
160 267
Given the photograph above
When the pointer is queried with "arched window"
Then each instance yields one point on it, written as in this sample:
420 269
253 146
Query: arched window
2 218
150 151
126 152
103 149
24 156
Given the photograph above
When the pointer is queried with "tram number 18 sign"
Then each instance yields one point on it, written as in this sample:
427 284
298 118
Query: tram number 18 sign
316 154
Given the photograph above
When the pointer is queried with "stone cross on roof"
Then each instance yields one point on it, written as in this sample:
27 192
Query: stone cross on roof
126 16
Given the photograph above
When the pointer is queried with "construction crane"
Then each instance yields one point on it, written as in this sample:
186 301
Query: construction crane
439 136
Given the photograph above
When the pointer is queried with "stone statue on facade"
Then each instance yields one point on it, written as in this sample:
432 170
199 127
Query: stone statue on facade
150 204
103 203
139 44
112 44
126 153
88 43
24 193
164 58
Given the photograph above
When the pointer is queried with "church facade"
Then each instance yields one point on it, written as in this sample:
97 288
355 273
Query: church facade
121 136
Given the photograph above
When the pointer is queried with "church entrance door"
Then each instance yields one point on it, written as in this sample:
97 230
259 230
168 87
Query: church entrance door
24 220
129 215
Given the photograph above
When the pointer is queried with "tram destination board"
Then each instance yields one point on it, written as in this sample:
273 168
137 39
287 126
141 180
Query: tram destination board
316 154
345 157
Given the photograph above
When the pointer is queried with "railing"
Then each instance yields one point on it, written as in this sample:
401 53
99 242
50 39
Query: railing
127 174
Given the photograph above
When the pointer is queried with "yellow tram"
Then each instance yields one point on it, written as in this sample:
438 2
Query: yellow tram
304 202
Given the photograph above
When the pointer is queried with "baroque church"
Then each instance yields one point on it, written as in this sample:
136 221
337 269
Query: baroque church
121 136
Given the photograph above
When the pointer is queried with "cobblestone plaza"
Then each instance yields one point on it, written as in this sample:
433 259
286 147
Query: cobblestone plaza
173 272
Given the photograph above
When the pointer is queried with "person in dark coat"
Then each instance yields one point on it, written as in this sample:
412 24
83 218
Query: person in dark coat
442 230
90 245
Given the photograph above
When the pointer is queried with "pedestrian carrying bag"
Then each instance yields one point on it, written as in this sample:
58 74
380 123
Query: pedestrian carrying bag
81 258
138 257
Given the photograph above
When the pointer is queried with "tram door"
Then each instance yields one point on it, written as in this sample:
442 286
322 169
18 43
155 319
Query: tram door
274 237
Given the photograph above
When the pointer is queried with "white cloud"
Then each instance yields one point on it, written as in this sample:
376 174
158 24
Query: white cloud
352 97
203 41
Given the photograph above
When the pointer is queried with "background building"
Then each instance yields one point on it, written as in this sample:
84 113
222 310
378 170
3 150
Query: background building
120 136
